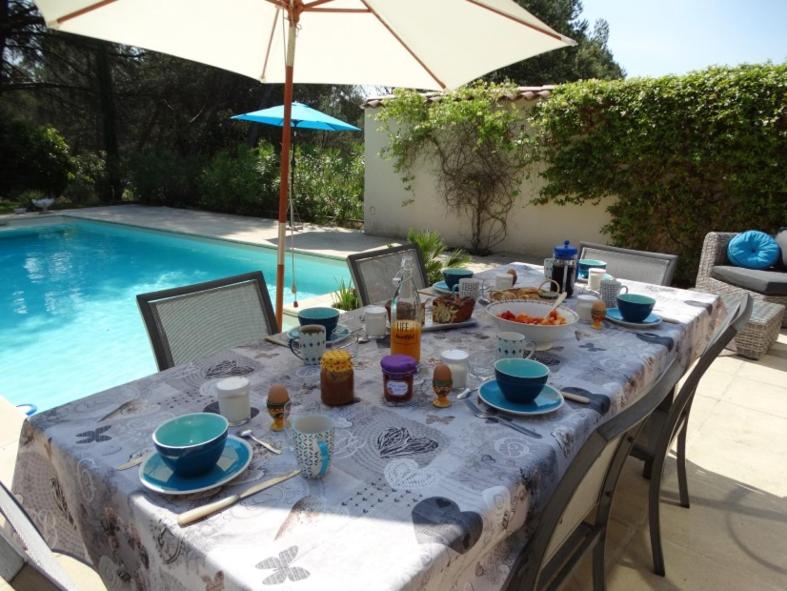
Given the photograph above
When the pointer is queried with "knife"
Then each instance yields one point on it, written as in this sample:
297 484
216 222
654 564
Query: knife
189 517
504 420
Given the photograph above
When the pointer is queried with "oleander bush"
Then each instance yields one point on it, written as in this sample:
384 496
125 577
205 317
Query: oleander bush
683 155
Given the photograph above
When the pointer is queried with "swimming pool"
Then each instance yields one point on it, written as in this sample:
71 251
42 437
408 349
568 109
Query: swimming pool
69 322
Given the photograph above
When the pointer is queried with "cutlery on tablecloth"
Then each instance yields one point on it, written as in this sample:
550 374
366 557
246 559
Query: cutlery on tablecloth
189 517
249 434
135 461
575 397
498 419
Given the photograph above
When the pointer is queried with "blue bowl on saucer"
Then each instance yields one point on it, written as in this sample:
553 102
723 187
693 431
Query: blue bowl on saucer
585 265
635 307
452 275
192 444
520 380
327 317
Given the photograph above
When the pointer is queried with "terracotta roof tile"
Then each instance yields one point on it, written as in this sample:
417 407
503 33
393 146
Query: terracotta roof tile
527 93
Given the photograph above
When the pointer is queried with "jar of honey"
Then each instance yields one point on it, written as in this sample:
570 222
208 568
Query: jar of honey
398 372
336 378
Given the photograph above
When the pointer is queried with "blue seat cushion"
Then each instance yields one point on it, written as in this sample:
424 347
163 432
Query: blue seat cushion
753 250
770 283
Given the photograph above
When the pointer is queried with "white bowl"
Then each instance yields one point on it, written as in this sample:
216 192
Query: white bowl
543 335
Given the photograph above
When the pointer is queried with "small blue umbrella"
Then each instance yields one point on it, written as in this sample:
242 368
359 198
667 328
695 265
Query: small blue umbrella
303 117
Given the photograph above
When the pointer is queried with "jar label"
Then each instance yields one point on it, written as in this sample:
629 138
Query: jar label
397 389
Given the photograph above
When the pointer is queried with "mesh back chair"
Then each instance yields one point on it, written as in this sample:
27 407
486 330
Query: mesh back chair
373 272
31 565
575 517
672 419
187 323
637 265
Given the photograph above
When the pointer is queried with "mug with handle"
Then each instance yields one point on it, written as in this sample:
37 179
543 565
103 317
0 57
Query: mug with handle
310 344
514 344
469 287
610 289
314 435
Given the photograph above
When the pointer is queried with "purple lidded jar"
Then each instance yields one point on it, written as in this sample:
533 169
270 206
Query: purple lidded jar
398 372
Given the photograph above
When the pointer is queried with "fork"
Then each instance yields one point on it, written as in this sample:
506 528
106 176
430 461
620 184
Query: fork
497 419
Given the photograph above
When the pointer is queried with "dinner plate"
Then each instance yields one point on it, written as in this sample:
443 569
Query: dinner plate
442 287
614 315
340 333
158 477
548 400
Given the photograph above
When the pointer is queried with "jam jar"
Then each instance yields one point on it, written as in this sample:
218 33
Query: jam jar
398 372
336 378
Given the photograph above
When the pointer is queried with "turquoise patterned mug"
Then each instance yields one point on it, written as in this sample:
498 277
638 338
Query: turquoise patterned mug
313 444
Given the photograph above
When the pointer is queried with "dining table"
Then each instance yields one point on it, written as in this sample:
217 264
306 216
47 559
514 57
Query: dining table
416 497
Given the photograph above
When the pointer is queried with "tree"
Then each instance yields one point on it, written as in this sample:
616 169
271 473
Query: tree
590 58
478 147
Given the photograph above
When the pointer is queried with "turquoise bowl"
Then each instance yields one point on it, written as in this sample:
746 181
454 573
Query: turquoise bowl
327 317
520 380
191 444
635 307
452 275
585 265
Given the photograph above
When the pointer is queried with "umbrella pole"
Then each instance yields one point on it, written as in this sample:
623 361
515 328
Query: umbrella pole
284 165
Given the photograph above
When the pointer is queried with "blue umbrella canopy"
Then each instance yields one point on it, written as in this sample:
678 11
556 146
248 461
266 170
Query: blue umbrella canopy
303 117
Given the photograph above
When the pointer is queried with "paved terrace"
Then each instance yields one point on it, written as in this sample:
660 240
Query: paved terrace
734 537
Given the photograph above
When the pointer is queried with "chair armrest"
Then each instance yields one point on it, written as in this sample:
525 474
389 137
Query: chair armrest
714 252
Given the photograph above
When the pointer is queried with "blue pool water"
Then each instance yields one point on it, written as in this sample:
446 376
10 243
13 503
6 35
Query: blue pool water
69 322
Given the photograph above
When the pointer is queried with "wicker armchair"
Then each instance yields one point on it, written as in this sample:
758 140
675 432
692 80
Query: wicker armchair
714 252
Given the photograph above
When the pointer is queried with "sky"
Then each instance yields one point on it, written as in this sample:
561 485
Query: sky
677 36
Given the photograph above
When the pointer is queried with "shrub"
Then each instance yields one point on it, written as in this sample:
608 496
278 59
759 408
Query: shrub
160 176
433 251
329 184
85 179
242 181
682 155
346 297
32 158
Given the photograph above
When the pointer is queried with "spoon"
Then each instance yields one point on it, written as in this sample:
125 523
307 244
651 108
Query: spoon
465 393
560 299
248 434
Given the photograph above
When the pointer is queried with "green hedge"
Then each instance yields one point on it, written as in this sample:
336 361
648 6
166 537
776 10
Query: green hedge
683 155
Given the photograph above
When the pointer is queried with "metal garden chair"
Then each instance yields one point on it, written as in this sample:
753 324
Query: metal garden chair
373 272
190 322
575 517
671 420
30 565
637 265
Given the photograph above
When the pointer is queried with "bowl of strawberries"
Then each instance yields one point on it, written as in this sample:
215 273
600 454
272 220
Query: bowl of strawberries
533 319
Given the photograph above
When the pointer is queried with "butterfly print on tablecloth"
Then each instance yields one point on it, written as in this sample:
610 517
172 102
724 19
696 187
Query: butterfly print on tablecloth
94 436
225 369
282 569
650 337
591 347
397 442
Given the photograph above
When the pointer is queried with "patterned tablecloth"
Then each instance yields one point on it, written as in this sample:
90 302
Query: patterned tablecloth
416 498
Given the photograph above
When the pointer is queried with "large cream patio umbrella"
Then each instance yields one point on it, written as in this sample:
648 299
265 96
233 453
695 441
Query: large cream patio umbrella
424 44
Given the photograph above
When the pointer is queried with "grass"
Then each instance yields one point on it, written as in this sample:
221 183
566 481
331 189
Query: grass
8 206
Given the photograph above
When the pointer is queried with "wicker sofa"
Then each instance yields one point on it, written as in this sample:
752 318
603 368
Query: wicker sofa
714 254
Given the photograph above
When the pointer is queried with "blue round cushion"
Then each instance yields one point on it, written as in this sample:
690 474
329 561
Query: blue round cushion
753 250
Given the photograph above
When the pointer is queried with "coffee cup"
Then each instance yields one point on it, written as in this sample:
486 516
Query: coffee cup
584 266
313 436
324 316
513 344
309 345
374 321
610 288
469 287
504 281
452 275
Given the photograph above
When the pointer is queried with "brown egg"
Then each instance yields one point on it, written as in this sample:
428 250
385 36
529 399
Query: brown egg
442 374
599 309
513 274
277 394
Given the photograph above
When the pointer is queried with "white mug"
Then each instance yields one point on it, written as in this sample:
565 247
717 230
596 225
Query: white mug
504 281
470 287
513 344
311 343
375 318
313 436
585 306
610 288
595 275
